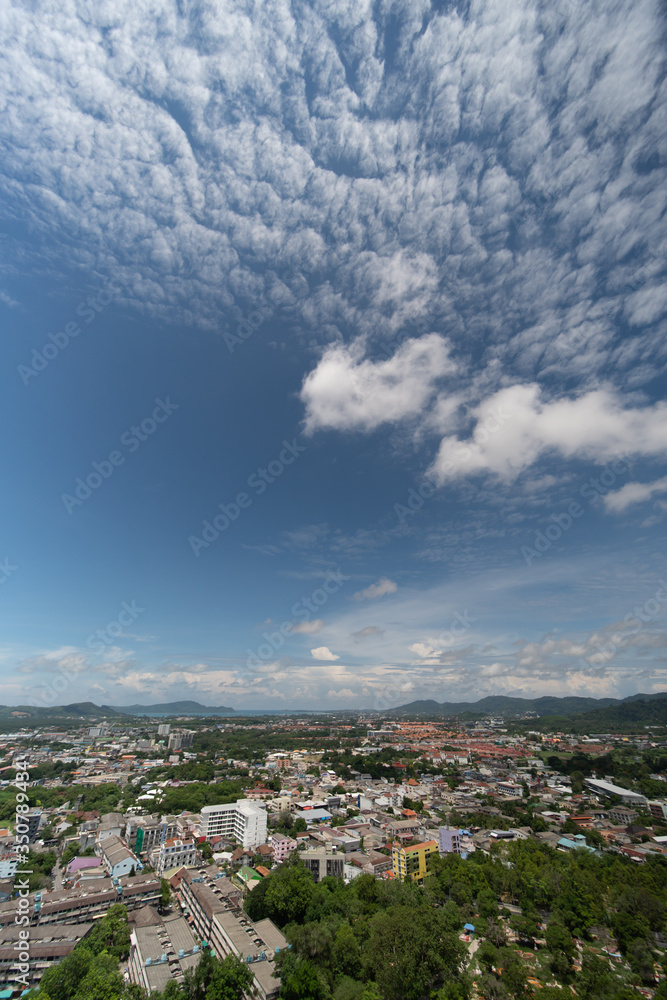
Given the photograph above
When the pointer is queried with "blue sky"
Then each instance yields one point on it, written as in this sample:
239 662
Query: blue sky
334 344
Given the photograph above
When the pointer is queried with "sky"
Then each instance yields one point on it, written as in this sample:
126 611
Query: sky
334 351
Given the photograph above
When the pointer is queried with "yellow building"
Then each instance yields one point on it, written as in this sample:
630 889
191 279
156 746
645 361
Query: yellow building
411 863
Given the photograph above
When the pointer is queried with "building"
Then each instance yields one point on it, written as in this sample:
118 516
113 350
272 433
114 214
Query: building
180 741
111 825
607 789
622 816
8 865
48 946
174 853
510 789
164 729
117 859
149 832
411 863
658 810
282 846
243 820
162 952
85 902
216 917
574 843
449 840
321 865
33 817
313 815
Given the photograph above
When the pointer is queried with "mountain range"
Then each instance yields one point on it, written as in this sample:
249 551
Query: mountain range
507 706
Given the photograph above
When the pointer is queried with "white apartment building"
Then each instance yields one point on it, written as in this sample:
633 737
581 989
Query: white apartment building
246 821
174 853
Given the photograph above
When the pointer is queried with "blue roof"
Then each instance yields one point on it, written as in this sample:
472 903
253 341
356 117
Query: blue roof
566 842
468 927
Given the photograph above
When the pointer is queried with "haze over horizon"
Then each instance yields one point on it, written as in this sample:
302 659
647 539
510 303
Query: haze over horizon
335 344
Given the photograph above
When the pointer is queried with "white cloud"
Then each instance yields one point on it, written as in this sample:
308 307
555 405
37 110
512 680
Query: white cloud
514 428
632 493
323 653
346 392
309 628
379 589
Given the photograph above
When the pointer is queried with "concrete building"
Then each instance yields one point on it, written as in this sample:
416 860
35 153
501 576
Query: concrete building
607 789
411 863
149 832
164 729
162 952
216 917
174 853
622 816
246 821
282 846
117 859
48 946
449 840
320 864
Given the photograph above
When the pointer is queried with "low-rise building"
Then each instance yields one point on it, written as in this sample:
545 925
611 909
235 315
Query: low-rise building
282 846
48 946
117 859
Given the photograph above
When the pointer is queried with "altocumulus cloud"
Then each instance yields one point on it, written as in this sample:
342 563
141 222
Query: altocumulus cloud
365 168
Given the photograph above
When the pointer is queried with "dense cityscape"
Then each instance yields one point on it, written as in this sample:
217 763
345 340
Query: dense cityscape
333 856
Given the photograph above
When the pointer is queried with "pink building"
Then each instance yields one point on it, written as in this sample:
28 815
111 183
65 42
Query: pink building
282 846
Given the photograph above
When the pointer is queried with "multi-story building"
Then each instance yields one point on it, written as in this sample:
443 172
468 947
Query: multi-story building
85 902
221 923
150 832
320 864
164 729
162 952
658 810
48 946
33 818
246 821
411 863
117 859
622 815
449 840
174 853
282 846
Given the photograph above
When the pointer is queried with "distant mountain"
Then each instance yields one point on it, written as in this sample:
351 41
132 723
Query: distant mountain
86 708
513 707
627 714
172 708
